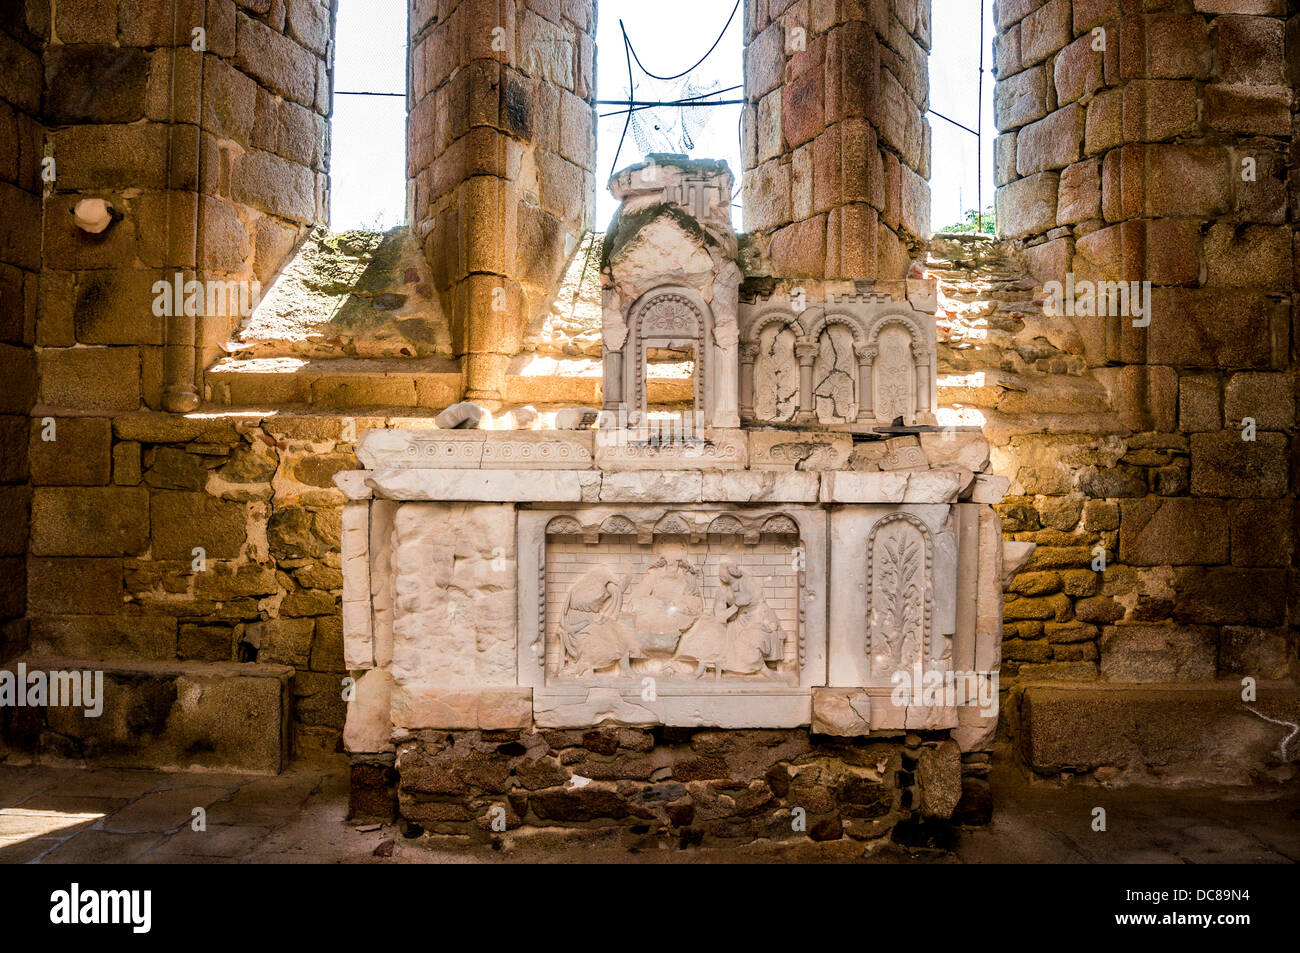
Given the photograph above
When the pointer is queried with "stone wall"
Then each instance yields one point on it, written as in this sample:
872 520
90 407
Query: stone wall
1081 479
501 160
158 538
664 788
23 31
835 147
207 132
1145 143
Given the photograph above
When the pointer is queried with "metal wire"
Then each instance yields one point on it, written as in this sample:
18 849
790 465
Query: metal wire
689 68
630 54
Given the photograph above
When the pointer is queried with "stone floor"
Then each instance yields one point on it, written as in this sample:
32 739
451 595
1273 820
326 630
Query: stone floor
62 815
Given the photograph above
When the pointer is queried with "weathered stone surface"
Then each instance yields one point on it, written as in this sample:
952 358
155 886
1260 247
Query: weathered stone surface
1178 532
276 61
180 522
105 637
938 774
78 454
1266 399
95 83
841 712
102 379
1027 206
77 586
1229 596
1158 653
1223 464
1084 727
1258 653
151 718
1050 143
89 521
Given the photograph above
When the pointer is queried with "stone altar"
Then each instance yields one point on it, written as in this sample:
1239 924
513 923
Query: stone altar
795 557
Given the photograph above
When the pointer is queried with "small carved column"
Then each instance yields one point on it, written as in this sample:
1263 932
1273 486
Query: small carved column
721 409
805 349
922 382
613 380
748 355
866 356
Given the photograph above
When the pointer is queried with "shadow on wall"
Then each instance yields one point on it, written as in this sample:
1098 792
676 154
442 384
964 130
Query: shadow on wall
355 294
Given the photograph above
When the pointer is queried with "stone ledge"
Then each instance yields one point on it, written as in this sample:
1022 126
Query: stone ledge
649 486
1084 727
205 716
335 384
674 705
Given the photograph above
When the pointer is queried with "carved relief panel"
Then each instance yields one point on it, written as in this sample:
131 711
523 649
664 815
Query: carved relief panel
856 360
706 598
900 596
893 603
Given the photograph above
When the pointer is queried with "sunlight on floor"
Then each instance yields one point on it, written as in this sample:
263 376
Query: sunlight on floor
19 824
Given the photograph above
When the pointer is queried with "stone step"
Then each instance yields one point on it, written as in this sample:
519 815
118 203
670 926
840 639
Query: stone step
206 716
342 384
1188 732
428 384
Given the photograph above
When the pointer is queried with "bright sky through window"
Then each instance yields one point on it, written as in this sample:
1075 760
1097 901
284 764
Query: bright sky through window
368 133
955 168
668 36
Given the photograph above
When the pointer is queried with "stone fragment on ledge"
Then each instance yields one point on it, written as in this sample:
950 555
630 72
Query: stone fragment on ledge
487 486
463 416
712 449
476 449
915 486
798 450
988 488
956 446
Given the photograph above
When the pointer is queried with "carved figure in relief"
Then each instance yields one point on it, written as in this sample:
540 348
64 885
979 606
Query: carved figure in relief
705 642
666 602
741 635
591 630
754 634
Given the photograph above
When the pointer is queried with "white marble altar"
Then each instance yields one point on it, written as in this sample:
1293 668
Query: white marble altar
787 561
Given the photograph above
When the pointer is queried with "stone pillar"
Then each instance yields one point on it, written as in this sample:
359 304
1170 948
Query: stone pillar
493 83
748 355
840 89
805 349
613 385
866 356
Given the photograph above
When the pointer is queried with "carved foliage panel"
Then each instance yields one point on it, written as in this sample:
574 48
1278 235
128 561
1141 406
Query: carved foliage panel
894 374
900 594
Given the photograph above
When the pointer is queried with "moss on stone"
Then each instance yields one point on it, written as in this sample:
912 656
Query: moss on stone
625 227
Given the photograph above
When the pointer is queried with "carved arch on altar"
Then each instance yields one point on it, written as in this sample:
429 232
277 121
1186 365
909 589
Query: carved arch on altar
670 316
